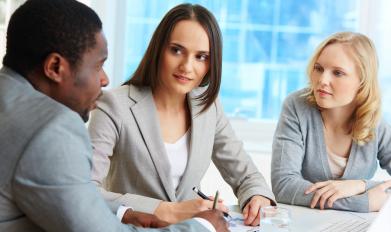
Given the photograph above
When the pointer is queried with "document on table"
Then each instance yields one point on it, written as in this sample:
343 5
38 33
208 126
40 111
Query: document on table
236 223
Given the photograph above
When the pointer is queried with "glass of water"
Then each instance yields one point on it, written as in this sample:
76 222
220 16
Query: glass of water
276 216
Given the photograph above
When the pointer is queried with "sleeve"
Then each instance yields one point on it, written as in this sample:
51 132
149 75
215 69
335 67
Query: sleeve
383 137
191 225
384 148
371 184
206 224
288 152
121 211
234 164
104 131
52 184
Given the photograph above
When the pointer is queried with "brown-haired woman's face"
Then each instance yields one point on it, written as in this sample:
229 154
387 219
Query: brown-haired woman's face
335 79
185 59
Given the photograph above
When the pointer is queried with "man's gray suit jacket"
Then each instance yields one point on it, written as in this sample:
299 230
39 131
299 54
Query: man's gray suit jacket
45 166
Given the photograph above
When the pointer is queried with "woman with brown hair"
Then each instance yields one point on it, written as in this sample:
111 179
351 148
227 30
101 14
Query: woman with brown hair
330 138
155 136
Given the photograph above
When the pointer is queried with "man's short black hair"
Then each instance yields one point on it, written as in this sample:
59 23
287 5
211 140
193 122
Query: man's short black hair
40 27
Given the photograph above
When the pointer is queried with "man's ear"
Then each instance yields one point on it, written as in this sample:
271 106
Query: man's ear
56 67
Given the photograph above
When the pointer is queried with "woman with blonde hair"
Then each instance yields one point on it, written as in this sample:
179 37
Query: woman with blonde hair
330 138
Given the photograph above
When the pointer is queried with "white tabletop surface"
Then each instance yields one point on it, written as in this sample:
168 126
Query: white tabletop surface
305 219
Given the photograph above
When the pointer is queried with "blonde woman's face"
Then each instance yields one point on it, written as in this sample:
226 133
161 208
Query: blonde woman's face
335 78
185 59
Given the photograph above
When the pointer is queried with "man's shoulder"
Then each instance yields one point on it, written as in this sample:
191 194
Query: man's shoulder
24 110
36 108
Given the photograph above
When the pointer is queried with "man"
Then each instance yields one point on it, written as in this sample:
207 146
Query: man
51 78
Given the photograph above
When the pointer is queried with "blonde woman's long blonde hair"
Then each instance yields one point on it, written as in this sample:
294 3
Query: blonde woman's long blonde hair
367 113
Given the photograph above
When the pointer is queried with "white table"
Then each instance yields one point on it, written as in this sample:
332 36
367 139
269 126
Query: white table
305 219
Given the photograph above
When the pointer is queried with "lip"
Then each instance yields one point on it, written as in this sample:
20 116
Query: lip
93 106
323 92
182 78
94 103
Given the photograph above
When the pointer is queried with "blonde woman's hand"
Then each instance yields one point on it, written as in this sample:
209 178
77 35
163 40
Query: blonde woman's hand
377 196
332 190
174 212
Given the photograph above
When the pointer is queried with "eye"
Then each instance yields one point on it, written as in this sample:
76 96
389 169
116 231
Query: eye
338 73
175 50
101 66
318 68
202 57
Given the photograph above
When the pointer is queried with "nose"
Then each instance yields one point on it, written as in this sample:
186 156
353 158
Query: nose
186 65
104 80
324 78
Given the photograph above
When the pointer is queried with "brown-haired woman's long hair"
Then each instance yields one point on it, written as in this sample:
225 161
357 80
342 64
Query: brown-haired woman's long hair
367 113
147 73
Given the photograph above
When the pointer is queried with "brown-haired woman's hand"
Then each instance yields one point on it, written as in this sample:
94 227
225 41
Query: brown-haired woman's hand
174 212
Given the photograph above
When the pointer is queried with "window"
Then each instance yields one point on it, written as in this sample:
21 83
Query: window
267 44
6 9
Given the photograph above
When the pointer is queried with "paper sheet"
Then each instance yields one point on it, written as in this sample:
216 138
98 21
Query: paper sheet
236 223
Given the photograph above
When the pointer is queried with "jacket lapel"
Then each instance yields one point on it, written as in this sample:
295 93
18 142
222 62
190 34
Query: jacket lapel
194 169
145 114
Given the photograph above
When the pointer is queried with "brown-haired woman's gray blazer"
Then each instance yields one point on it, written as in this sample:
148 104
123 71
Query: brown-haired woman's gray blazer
129 152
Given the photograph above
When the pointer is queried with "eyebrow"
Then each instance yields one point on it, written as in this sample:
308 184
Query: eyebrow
180 46
334 67
342 69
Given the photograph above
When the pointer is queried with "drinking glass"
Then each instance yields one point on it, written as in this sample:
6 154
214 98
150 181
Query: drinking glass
276 216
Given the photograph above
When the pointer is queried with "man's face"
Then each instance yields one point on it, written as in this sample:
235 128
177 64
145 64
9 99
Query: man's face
83 87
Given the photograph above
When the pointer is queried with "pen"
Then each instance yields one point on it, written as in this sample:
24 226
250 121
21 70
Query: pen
203 196
215 200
